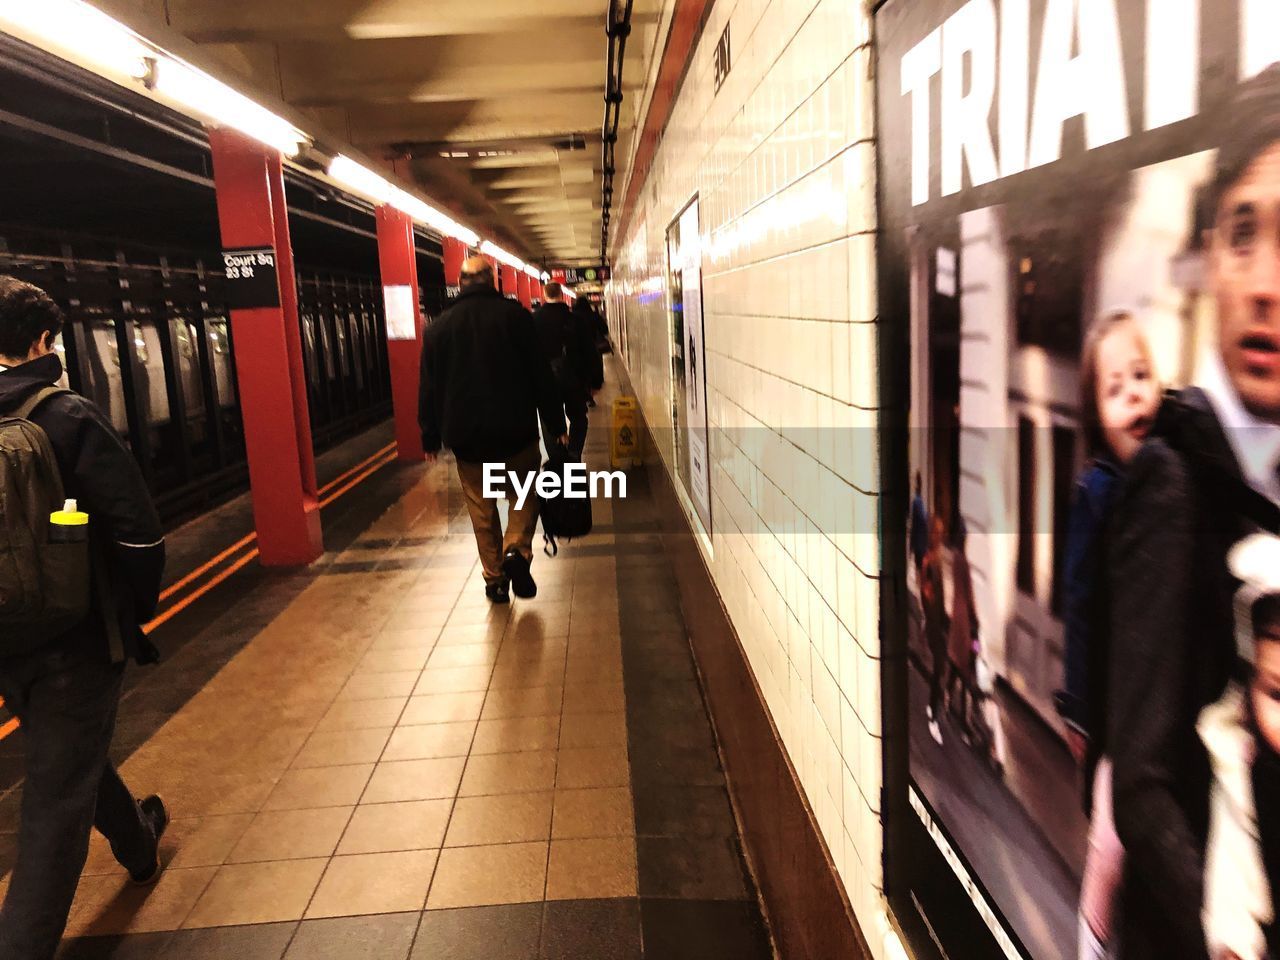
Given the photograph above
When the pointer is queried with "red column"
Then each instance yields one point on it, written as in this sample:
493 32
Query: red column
455 251
508 281
523 290
399 265
535 288
268 356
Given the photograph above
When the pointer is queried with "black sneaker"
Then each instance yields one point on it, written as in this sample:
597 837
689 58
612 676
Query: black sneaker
516 567
497 593
154 812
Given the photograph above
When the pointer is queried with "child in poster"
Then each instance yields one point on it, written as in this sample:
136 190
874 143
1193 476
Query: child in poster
1119 399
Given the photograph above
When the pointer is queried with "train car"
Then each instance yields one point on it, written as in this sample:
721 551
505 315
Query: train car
149 341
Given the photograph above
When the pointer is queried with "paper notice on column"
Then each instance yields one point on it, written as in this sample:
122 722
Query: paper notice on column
401 311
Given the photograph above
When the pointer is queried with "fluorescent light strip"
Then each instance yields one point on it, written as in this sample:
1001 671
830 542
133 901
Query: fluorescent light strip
79 31
84 32
212 98
502 256
360 179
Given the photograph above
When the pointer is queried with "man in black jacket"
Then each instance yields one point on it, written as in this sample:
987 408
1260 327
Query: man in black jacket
65 694
594 321
569 345
485 385
1208 476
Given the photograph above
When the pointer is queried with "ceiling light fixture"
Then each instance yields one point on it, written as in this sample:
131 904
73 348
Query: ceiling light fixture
80 32
360 179
214 100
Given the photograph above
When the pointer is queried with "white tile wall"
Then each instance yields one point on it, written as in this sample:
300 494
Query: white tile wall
783 161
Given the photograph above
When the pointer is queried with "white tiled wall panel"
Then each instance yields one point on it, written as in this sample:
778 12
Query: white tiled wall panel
782 159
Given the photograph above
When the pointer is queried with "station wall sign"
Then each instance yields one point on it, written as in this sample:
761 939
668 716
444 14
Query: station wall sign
577 275
251 278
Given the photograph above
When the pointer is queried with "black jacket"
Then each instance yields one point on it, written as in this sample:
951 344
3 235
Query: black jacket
1182 506
569 344
485 381
100 472
599 328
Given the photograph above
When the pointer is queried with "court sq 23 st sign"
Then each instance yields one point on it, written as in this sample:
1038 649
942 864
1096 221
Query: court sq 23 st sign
992 49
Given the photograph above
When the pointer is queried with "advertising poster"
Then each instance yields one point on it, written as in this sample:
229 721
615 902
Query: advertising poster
1080 210
689 363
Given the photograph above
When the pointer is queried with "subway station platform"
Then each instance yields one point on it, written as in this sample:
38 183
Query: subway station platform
366 759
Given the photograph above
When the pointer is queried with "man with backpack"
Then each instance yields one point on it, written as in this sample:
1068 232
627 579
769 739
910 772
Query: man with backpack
61 676
1208 476
568 341
485 386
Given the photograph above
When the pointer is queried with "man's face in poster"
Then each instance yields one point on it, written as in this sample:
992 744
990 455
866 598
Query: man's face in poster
1245 276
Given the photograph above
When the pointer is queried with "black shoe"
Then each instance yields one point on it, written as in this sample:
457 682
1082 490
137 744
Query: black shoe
516 567
496 592
154 812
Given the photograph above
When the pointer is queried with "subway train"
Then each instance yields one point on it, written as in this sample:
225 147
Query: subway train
149 341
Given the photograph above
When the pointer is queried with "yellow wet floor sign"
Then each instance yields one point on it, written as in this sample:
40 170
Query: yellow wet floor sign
625 434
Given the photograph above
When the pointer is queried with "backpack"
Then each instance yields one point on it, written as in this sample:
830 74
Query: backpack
563 518
44 585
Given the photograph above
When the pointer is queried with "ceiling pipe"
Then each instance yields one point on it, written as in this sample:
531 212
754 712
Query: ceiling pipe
617 29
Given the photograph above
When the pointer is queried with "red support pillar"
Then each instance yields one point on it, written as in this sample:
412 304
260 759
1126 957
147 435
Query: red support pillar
399 263
249 188
535 288
455 251
523 290
508 281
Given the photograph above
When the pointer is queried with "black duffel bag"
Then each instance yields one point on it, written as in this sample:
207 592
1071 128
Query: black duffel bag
563 518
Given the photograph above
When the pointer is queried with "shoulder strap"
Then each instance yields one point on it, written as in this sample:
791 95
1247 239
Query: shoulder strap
28 406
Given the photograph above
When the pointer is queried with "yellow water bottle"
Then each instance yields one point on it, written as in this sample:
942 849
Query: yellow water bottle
68 525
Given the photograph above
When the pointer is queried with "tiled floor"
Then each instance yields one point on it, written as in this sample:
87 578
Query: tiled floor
393 768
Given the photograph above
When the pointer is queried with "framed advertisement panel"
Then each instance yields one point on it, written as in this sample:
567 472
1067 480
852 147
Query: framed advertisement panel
1050 171
689 416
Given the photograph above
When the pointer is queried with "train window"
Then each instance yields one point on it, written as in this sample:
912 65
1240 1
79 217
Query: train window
151 389
140 344
218 337
309 348
102 362
192 390
357 349
340 328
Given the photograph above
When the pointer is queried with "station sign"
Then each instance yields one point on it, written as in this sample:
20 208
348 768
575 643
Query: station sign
251 278
574 275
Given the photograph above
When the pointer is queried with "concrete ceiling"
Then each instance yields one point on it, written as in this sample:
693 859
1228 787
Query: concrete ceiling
493 106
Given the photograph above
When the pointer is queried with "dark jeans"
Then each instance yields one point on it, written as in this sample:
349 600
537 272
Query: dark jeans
67 703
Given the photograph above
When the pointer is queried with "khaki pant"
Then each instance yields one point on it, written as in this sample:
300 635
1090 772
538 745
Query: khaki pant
484 513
